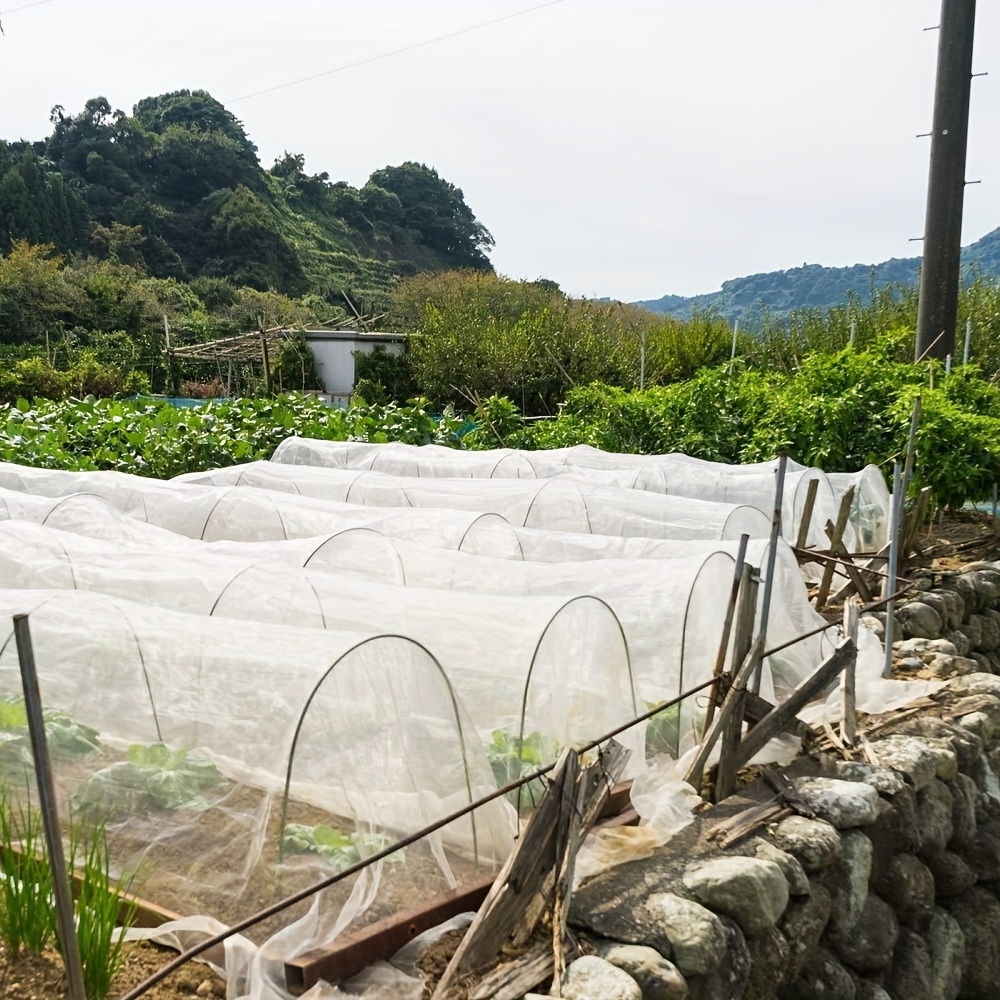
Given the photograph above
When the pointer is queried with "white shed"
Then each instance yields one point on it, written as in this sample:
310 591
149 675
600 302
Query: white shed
334 353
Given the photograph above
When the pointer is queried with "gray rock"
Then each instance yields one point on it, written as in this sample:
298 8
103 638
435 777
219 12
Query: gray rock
947 947
803 925
959 640
864 989
987 782
989 632
951 666
966 746
982 855
814 842
908 887
964 796
985 583
694 937
973 628
978 915
925 649
920 620
934 809
591 978
911 974
769 954
980 724
973 684
884 780
916 758
954 609
657 978
795 876
872 623
964 588
821 977
848 883
869 944
751 891
843 804
951 874
730 977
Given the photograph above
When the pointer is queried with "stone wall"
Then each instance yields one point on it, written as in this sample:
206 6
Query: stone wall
952 626
889 890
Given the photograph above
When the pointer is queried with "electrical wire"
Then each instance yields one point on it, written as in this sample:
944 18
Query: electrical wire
393 52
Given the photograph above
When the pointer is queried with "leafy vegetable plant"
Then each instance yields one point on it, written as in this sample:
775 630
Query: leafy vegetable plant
65 736
339 849
512 757
151 777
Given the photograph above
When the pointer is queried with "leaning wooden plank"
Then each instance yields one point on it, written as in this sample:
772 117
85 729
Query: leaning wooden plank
521 877
530 870
765 730
511 980
757 708
842 557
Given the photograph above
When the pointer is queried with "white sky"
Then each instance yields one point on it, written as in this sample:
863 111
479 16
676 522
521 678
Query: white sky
629 148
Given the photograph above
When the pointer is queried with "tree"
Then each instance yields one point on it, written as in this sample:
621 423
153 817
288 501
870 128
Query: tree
435 212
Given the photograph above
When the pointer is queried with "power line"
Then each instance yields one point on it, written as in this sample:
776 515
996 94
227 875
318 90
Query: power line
393 52
14 10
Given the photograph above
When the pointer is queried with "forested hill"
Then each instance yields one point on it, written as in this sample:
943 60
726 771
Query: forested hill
176 188
813 286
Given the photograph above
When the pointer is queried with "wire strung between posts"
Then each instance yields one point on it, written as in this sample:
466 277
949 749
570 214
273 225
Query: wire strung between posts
412 838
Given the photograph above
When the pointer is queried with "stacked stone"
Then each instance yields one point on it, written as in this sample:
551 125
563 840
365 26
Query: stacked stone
891 891
951 628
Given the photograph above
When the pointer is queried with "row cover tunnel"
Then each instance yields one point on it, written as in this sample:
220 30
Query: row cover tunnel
354 648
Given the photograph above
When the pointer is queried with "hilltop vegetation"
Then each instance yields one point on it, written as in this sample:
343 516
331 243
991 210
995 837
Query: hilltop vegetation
175 190
757 298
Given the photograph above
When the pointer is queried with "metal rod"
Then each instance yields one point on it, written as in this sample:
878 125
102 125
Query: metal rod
765 609
890 582
736 330
994 499
968 340
50 814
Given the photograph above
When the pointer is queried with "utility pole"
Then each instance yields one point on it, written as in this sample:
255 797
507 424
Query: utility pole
938 302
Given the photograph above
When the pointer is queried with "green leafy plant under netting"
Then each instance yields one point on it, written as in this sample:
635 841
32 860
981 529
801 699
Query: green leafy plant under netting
663 730
512 757
339 849
64 735
151 778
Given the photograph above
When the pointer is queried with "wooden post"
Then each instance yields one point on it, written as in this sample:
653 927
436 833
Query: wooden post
838 533
848 707
743 645
267 362
802 538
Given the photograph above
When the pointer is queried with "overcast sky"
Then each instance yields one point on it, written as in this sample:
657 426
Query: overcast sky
629 148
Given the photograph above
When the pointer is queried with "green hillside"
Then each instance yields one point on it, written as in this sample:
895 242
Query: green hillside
812 286
175 188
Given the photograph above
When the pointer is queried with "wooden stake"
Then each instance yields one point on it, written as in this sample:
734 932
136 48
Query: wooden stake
743 647
802 538
835 538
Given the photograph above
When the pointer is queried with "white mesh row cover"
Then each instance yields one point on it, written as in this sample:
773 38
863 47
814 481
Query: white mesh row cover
381 742
570 645
673 473
562 504
671 611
